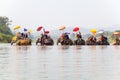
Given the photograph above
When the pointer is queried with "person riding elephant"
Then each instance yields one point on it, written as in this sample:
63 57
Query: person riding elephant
21 39
102 40
48 41
64 40
117 41
79 40
60 39
91 40
44 39
40 39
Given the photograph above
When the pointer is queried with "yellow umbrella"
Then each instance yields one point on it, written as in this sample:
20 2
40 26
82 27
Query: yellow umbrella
30 31
16 27
93 31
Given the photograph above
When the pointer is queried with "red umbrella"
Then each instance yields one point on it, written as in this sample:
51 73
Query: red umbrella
47 32
76 29
39 28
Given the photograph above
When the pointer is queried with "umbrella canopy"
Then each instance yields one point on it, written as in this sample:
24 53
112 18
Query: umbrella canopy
39 28
16 27
29 31
116 33
75 29
25 29
47 32
101 31
93 31
62 28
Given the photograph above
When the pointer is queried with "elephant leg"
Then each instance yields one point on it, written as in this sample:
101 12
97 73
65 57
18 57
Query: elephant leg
12 43
36 43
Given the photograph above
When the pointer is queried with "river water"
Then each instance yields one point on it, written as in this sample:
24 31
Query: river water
59 62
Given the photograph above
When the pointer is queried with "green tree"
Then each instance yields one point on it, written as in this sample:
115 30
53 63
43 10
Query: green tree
4 25
117 30
5 32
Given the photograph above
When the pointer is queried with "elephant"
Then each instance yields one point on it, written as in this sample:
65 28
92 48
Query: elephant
63 41
79 41
23 42
102 40
117 42
20 42
91 41
45 41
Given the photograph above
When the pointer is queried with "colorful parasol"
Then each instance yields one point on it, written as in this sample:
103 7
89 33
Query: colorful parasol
39 28
62 28
76 29
16 27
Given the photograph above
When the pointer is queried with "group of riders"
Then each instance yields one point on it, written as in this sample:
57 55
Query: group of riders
45 39
64 39
92 40
21 39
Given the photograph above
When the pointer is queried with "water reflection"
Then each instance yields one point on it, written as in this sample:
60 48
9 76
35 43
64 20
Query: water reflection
21 49
78 47
92 47
59 62
64 47
116 46
103 47
44 47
